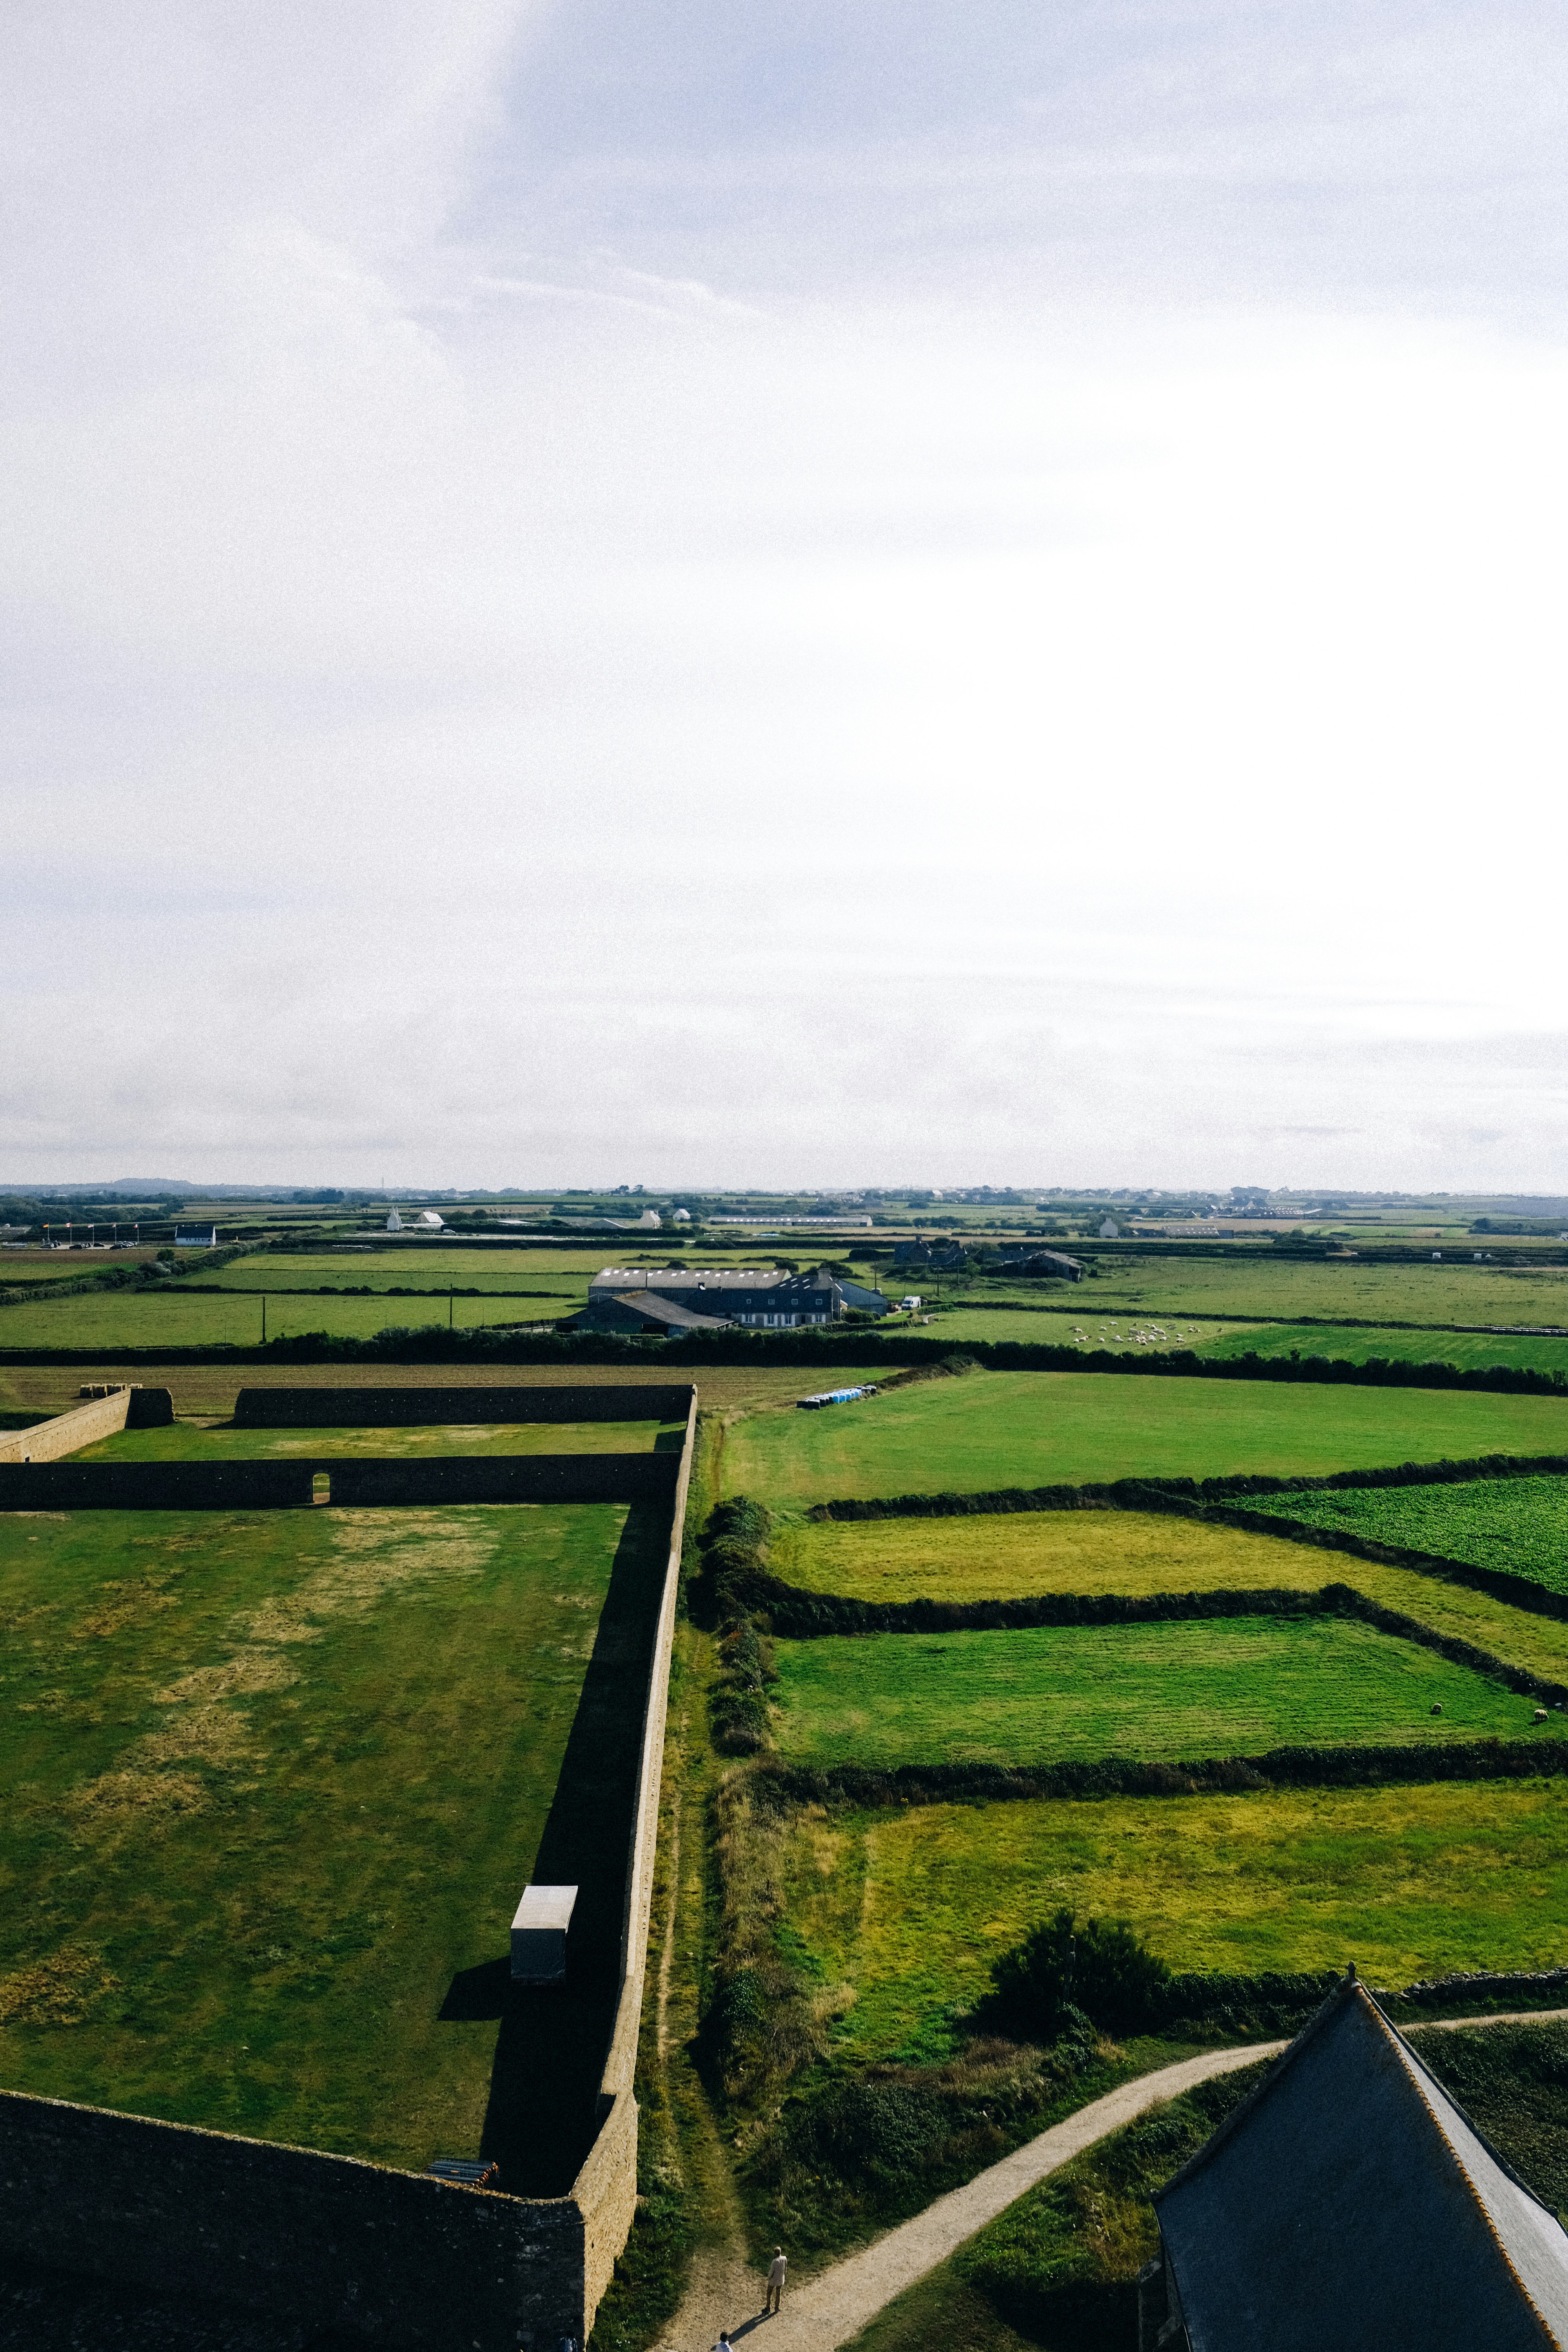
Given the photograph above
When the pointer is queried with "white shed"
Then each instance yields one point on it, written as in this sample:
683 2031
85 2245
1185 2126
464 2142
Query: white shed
539 1934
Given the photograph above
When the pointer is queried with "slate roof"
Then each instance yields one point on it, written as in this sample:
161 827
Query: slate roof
652 1308
1349 2203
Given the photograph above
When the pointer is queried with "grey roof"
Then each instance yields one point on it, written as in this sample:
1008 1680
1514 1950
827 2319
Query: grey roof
688 1278
653 1309
1349 2203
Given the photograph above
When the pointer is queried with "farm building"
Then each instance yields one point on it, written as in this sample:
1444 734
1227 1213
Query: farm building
641 1312
761 1296
945 1256
1350 2202
1019 1258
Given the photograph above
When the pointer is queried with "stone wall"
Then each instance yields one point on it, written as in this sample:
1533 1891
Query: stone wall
154 1486
106 1416
403 1408
337 2244
507 1478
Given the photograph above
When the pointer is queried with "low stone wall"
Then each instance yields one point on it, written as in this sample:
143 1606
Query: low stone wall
106 1416
406 1408
154 1486
508 1478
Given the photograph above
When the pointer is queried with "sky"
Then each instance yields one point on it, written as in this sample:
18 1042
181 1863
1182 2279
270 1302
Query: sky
716 593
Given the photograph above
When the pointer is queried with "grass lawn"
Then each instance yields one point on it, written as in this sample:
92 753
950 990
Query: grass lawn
1347 1343
184 1441
908 1909
274 1785
172 1318
1517 1525
1014 1555
1228 1687
1457 1291
1029 1429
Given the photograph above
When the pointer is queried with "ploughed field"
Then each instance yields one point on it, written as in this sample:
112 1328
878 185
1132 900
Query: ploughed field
274 1783
1026 1429
181 1441
1230 1687
1015 1554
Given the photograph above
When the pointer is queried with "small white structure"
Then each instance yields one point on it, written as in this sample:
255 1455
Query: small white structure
1110 1231
539 1934
651 1217
429 1217
395 1222
683 1217
912 1303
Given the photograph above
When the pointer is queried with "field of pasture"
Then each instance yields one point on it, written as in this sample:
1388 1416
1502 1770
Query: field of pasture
185 1442
1455 1291
274 1784
907 1909
1347 1343
1228 1687
1519 1526
1027 1429
1015 1554
171 1317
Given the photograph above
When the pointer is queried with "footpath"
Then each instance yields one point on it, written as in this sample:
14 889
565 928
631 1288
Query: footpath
829 2308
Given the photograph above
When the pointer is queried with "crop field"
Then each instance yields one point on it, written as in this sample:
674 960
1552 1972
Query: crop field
907 1909
274 1784
1027 1429
1018 1554
1519 1526
1230 1687
183 1441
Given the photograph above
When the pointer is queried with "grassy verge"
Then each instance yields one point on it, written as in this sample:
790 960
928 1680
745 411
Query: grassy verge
1026 1429
274 1784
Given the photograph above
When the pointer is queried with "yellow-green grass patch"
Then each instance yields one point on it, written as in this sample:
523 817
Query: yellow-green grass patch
273 1782
1220 1686
182 1441
1010 1556
1032 1429
908 1910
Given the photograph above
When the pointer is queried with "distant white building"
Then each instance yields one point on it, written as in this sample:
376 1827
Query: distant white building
1110 1231
429 1217
395 1222
651 1217
683 1217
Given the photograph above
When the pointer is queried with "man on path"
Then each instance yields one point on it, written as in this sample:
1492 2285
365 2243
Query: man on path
777 2281
723 2344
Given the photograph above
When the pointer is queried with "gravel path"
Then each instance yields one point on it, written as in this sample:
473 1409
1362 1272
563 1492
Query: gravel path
827 2310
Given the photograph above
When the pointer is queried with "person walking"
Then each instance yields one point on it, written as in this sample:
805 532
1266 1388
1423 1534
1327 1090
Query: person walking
723 2344
777 2281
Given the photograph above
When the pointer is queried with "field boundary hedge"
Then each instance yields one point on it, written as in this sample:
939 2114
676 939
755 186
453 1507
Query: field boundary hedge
1210 1499
813 1350
138 1277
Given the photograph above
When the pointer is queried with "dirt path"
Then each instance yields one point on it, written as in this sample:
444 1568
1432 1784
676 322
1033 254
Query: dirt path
823 2311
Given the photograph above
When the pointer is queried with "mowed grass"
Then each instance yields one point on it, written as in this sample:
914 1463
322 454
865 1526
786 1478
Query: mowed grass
272 1781
185 1442
1028 1428
1228 1687
1012 1555
907 1910
1519 1526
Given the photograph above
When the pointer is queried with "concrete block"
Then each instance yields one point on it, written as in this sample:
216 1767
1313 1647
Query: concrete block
539 1934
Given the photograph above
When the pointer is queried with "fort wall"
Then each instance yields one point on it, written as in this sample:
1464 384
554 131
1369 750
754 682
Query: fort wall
106 1416
403 1408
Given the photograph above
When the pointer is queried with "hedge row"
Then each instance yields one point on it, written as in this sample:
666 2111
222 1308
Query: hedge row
867 1789
119 1278
799 1615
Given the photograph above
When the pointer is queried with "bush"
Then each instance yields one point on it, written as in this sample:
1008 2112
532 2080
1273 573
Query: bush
1063 1971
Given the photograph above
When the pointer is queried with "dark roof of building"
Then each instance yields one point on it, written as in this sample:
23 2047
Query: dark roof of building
653 1309
1350 2204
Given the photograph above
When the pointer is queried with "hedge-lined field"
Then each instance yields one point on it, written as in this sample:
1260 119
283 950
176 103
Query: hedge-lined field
907 1909
1005 1557
172 1316
1455 1291
1028 1428
1232 1687
182 1442
1519 1526
1471 1350
271 1782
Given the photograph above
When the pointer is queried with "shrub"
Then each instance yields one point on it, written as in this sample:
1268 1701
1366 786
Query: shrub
1063 1971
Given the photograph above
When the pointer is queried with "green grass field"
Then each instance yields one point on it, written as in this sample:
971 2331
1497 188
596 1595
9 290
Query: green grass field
1230 1687
907 1909
172 1318
184 1441
1457 1291
1131 1334
1017 1554
1027 1429
272 1783
1517 1525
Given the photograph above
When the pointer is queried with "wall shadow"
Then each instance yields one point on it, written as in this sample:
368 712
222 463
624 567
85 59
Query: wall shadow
543 2115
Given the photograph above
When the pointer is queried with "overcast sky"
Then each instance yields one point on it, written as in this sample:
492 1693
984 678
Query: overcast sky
713 592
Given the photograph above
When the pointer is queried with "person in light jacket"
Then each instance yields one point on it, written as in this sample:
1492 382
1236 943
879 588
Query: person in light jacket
777 2281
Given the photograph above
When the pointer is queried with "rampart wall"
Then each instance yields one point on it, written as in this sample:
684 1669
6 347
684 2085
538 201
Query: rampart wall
154 1486
403 1408
330 2242
106 1416
289 1486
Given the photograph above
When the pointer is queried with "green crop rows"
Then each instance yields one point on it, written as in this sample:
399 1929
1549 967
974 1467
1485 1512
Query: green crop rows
1519 1526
